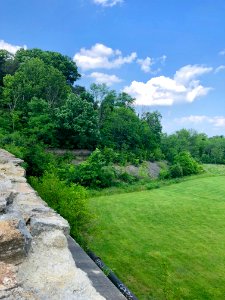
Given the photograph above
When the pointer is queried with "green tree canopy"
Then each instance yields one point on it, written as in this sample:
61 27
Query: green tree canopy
35 79
77 123
121 130
60 62
8 64
153 120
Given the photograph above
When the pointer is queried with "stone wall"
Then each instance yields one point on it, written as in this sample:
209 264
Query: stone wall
35 262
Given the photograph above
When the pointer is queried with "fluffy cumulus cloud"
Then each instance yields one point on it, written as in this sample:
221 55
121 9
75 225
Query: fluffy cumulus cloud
9 47
107 3
184 86
216 121
100 56
104 78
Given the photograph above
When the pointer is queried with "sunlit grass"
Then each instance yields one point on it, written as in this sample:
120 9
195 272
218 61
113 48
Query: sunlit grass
215 169
167 243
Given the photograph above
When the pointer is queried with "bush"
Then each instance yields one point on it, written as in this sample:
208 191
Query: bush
107 176
153 185
69 201
126 177
15 150
110 155
95 172
188 164
14 143
176 171
164 174
37 159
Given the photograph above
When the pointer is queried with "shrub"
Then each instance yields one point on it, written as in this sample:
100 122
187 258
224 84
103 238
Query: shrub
107 176
188 164
110 155
69 201
95 172
153 185
164 174
38 159
126 177
16 150
176 170
14 143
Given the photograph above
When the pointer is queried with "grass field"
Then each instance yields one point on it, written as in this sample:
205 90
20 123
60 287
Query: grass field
167 243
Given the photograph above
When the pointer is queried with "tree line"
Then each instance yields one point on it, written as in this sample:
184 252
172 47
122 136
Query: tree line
41 105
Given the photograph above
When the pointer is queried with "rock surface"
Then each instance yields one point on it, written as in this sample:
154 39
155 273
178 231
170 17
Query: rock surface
35 262
12 240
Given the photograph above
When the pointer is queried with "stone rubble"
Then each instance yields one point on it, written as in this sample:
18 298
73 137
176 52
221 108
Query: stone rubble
35 262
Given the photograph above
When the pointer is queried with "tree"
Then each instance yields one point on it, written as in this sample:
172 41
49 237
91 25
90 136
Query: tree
8 64
153 120
34 79
77 123
60 62
41 122
121 130
84 94
214 150
99 91
106 107
124 100
184 140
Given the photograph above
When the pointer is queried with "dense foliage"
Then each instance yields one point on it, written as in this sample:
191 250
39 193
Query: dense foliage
201 147
38 99
39 102
70 201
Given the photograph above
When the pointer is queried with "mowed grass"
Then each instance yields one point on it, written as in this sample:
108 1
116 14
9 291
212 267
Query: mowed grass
214 169
167 243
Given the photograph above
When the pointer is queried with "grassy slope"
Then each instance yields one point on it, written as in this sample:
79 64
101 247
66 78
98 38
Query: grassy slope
167 243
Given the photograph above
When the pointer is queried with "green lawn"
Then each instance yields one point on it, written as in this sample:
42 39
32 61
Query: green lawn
167 243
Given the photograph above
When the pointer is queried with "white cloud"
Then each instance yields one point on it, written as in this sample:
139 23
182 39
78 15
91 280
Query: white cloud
187 73
220 68
107 3
145 64
102 57
162 90
105 78
222 52
9 47
216 121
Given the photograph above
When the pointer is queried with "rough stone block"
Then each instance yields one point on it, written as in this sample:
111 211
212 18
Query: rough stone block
15 239
41 223
29 205
56 277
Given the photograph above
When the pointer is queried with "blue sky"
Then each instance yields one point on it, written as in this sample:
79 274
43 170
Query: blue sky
168 54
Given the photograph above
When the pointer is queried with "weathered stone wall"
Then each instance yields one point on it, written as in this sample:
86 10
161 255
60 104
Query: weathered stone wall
35 262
